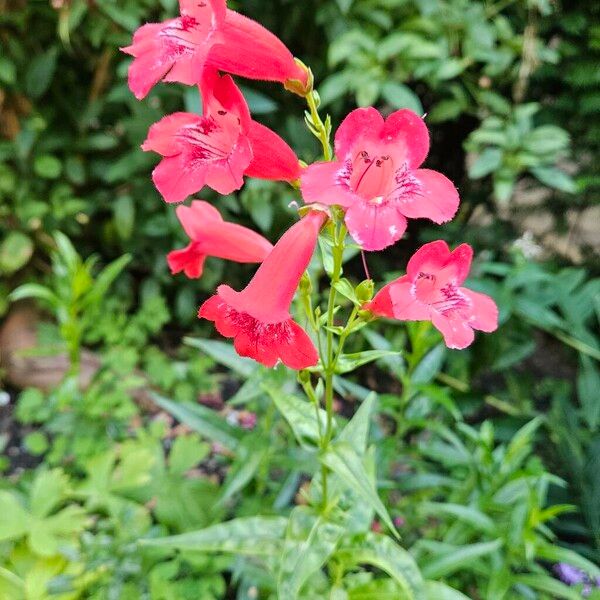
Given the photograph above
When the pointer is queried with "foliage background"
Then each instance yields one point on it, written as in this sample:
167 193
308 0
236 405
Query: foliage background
511 92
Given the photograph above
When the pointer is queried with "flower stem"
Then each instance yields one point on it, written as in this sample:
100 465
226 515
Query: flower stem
320 129
330 358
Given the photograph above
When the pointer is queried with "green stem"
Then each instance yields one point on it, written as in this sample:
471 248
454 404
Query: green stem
321 130
339 235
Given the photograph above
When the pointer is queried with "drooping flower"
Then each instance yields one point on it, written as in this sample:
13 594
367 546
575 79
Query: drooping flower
218 147
210 235
431 291
208 34
258 318
376 178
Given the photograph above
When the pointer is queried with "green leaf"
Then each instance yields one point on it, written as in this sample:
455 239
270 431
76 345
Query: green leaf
47 166
559 554
11 586
250 536
106 278
345 462
487 162
457 558
544 583
383 553
40 72
399 96
588 390
245 469
15 251
225 355
203 420
15 519
350 362
34 290
555 178
356 432
430 365
48 491
434 590
301 417
124 215
309 542
186 453
466 514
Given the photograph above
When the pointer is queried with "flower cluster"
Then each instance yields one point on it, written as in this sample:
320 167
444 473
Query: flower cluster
375 180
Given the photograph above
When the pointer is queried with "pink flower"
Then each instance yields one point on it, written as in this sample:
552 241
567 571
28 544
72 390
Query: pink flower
208 34
377 180
218 148
211 236
258 318
430 291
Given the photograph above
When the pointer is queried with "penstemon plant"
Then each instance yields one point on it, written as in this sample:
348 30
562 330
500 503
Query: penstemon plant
359 197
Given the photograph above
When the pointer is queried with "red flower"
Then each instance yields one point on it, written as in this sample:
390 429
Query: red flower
218 148
208 34
258 318
377 180
211 236
430 291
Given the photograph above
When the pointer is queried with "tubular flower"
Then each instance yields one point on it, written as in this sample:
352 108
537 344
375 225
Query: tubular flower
211 236
217 148
377 180
258 318
208 34
431 291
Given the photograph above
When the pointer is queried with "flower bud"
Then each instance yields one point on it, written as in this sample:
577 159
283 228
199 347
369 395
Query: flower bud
364 291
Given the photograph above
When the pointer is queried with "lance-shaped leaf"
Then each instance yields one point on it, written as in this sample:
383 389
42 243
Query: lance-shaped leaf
344 461
382 552
350 362
301 416
356 431
224 354
250 536
310 541
457 557
203 420
434 590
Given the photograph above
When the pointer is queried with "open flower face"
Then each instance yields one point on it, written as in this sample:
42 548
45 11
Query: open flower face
432 291
258 318
377 180
207 34
210 235
218 147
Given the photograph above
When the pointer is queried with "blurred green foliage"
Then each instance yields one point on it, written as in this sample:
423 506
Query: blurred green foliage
511 92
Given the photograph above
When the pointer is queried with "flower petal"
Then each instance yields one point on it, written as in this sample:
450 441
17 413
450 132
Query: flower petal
235 242
150 62
220 93
484 311
456 330
321 183
407 129
272 158
381 305
437 198
227 176
176 178
189 260
250 50
298 351
197 218
405 305
162 135
375 226
436 258
361 123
